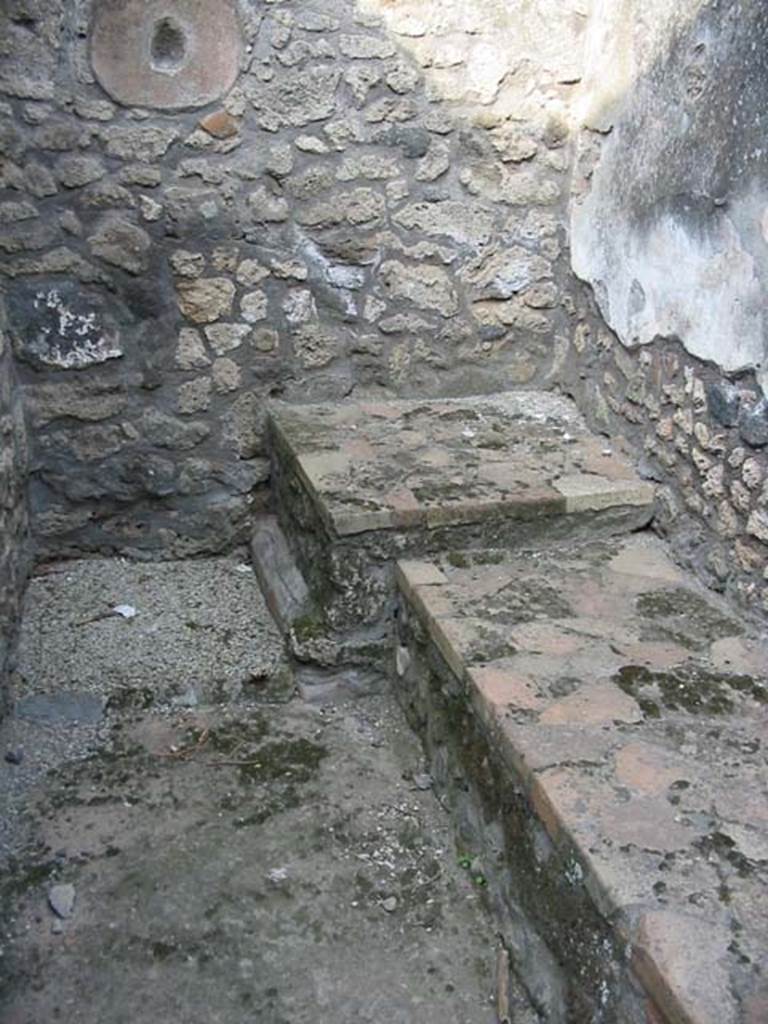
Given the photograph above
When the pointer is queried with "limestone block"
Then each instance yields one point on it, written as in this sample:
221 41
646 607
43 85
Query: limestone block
194 396
361 47
122 244
144 142
303 98
426 287
73 171
226 337
226 375
168 432
509 272
315 345
251 272
187 264
253 306
190 351
468 223
205 300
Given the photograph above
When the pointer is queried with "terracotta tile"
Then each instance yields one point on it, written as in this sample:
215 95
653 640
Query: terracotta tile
647 822
357 448
740 655
650 769
592 599
319 467
747 806
638 558
381 410
755 1003
565 799
594 704
349 522
547 638
541 747
501 688
682 962
411 439
546 809
654 654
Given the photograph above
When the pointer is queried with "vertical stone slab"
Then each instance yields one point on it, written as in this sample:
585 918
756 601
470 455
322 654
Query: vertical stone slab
14 552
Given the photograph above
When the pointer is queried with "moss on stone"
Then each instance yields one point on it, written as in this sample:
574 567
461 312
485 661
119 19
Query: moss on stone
311 626
691 688
686 619
458 559
297 759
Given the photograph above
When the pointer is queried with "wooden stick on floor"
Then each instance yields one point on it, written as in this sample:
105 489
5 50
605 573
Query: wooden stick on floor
502 986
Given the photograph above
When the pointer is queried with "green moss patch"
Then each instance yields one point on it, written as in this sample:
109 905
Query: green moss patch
691 688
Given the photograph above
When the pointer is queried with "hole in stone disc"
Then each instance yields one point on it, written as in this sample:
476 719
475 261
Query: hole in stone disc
169 46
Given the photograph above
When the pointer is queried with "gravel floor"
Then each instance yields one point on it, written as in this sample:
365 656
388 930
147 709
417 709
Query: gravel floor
228 857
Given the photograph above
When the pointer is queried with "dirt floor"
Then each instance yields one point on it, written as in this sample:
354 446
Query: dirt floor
184 840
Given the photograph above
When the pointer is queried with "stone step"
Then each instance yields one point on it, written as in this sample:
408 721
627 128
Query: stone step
609 718
324 666
358 485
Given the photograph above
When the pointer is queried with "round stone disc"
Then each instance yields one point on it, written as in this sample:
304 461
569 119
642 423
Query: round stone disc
166 54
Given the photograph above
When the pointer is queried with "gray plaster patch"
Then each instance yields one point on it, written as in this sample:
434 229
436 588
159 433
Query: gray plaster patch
166 54
57 708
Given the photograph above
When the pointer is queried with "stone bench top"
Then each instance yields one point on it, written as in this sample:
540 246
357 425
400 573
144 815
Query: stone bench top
402 464
631 707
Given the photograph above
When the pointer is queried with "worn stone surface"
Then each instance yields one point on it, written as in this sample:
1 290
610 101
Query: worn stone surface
611 693
358 485
373 465
287 852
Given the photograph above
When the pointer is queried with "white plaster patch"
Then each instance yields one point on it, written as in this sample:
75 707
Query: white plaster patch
666 281
67 338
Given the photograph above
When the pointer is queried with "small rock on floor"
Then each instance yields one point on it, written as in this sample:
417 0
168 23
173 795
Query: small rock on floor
61 899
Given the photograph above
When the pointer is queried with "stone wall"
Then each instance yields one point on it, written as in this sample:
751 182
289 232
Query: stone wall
668 227
14 547
371 196
328 225
498 60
